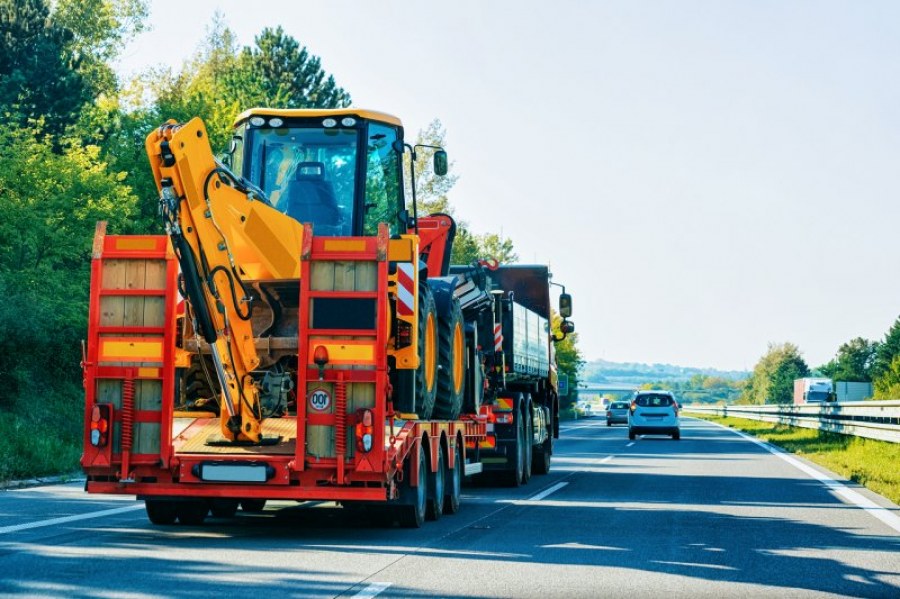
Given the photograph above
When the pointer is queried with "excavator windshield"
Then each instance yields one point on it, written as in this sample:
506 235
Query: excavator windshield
330 176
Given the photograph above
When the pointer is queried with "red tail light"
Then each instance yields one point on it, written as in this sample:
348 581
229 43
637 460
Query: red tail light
365 428
100 418
633 407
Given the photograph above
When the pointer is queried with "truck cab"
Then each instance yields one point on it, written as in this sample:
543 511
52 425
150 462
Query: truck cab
339 170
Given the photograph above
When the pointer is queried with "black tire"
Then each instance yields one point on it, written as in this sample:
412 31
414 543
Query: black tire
528 420
436 488
253 506
161 512
631 435
676 435
416 381
451 375
453 482
411 514
223 508
515 478
192 512
608 423
541 463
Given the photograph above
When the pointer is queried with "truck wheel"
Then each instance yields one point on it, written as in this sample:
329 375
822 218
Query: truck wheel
452 360
436 488
411 514
253 506
161 512
453 482
192 512
529 441
223 508
516 477
541 464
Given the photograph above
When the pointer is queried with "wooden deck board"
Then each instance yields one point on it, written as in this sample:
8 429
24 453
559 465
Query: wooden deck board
193 438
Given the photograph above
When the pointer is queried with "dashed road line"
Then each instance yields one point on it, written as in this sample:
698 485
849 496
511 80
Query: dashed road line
372 590
66 519
547 492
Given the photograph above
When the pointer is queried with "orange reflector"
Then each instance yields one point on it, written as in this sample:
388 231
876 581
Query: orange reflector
489 442
504 403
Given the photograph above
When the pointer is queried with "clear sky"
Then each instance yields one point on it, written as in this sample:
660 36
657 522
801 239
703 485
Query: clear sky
705 177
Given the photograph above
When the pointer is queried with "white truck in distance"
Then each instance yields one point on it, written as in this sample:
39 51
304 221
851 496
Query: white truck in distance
813 390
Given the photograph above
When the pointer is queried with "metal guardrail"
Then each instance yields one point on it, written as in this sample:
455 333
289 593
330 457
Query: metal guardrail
872 419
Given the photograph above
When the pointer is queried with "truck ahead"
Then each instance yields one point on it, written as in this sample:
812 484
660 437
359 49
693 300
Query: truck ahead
298 333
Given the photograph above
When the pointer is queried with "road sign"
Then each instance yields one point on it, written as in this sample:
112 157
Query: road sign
563 385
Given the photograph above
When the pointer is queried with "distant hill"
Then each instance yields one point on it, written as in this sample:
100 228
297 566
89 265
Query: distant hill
602 371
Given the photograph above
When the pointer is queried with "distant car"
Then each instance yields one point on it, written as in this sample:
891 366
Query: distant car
617 413
653 413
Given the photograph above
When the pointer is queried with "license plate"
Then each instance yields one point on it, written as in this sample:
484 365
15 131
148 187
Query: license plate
234 473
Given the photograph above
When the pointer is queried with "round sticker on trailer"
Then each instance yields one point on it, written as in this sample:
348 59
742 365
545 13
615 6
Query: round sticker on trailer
319 400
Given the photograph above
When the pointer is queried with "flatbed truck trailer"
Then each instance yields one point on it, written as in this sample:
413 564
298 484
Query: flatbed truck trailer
244 357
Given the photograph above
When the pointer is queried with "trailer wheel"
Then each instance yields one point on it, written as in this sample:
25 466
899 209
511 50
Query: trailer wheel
253 506
453 490
436 487
529 441
161 512
451 374
192 512
411 512
223 508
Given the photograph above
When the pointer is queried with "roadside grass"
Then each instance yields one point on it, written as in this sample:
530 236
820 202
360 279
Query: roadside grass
43 438
869 462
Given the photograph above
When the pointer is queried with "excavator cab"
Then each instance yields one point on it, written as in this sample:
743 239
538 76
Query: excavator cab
338 170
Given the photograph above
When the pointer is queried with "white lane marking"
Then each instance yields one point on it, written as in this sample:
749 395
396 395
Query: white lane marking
630 444
606 459
372 590
838 488
547 492
65 519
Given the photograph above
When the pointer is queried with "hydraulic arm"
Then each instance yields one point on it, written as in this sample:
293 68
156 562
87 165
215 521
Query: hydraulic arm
208 213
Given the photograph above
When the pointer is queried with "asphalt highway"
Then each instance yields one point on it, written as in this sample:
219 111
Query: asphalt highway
712 515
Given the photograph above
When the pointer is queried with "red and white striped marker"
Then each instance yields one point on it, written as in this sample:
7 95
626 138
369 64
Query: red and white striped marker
498 338
406 285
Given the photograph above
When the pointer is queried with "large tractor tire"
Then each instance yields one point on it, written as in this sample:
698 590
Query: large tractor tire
426 373
451 376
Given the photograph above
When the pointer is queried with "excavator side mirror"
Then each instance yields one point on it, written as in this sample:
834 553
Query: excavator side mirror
440 163
567 327
565 305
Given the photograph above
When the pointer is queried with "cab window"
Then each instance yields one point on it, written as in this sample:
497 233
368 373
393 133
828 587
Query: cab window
383 200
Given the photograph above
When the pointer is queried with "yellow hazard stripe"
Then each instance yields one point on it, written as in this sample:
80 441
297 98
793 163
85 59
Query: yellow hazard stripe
345 245
131 351
344 353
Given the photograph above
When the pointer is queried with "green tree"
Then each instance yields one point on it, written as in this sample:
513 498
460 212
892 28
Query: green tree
51 201
39 75
887 350
280 72
568 358
773 376
99 31
853 362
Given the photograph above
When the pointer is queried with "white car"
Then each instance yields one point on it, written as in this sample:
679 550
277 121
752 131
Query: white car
653 413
